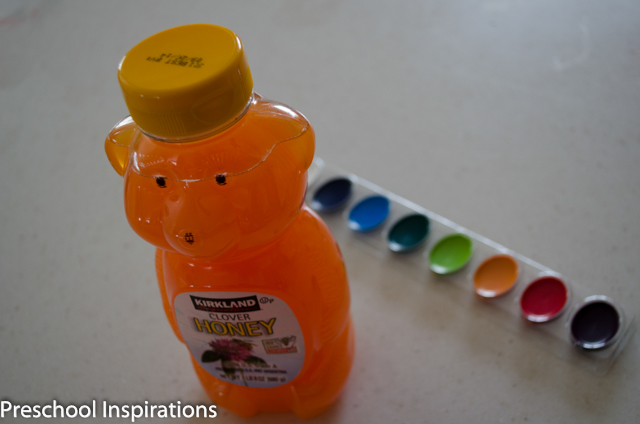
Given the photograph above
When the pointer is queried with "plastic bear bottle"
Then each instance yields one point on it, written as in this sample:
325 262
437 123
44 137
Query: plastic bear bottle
251 279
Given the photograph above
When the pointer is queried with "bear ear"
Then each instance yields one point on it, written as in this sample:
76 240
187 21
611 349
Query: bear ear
304 148
117 144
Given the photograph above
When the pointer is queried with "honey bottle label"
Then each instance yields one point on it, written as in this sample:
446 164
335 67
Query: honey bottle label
249 339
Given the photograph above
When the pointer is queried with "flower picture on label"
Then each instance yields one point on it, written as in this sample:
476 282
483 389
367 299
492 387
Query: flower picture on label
232 354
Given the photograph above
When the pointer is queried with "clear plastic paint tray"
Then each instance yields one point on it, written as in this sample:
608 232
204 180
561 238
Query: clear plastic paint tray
522 296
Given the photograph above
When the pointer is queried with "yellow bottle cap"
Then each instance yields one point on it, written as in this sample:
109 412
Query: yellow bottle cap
186 81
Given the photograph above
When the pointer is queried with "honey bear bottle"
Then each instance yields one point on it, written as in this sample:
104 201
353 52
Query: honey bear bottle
252 281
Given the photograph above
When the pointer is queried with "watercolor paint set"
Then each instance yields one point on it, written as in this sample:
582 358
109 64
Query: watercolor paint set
527 299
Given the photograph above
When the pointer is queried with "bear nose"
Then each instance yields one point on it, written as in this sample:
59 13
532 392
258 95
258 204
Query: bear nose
189 238
185 238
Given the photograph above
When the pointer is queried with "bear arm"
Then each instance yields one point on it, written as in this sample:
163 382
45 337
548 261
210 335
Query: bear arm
330 278
335 298
163 293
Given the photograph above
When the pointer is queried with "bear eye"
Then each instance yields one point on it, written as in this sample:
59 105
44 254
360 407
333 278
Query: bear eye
221 179
161 182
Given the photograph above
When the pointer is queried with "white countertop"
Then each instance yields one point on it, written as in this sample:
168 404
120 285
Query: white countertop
515 119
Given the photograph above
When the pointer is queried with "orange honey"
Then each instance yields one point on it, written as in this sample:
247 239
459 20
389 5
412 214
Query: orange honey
251 279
